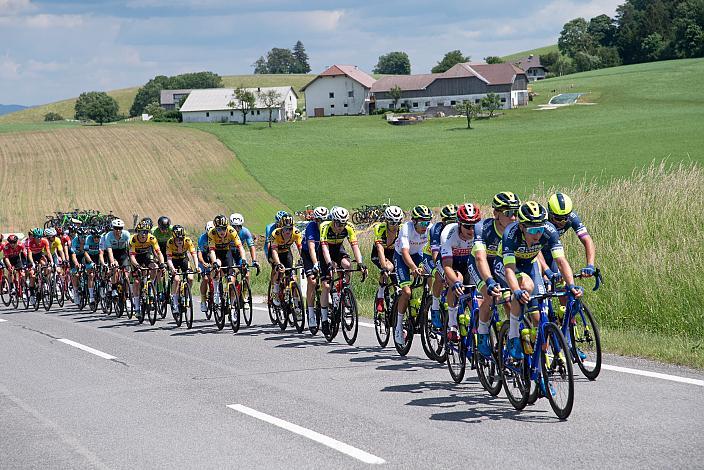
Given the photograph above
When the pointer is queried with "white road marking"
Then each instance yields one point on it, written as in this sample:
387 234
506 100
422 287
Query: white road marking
260 308
1 320
645 373
86 348
312 435
366 325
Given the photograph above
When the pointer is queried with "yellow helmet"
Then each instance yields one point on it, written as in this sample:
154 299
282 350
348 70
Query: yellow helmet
531 212
421 212
506 200
448 213
560 204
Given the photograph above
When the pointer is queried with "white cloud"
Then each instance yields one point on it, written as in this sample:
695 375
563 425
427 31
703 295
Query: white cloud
44 21
320 20
13 7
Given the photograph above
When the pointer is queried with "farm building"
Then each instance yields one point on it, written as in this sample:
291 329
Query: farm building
463 82
169 99
533 68
339 90
212 105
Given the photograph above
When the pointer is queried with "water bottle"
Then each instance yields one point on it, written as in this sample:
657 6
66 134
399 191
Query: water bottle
525 337
415 306
463 321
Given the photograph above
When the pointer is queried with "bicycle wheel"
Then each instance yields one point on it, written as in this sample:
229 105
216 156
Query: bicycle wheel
514 374
408 328
233 306
246 302
47 294
585 338
104 295
5 292
270 304
59 291
177 313
220 308
15 295
557 374
487 368
456 352
315 327
357 218
297 311
334 319
382 323
349 316
187 300
211 305
164 295
282 315
432 346
153 302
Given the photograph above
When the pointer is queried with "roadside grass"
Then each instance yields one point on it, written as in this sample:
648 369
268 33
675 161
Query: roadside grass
643 113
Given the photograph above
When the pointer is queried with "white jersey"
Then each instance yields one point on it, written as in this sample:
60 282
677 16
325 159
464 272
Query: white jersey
452 245
409 238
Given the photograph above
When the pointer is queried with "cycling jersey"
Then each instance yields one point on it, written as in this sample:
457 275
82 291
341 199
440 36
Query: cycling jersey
434 233
246 237
114 243
452 246
10 251
329 237
381 232
162 237
312 234
280 244
55 246
78 248
267 233
174 252
149 246
203 243
37 246
92 246
410 239
222 243
574 223
516 250
488 238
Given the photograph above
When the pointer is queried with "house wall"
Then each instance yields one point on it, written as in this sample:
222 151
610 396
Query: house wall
318 96
235 115
424 102
535 73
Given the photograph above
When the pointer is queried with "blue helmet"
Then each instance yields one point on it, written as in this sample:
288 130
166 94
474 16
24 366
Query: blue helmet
280 214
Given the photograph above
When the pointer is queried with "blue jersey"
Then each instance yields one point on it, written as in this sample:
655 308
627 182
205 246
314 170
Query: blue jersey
516 251
434 236
269 229
574 223
77 246
117 244
92 246
488 238
245 237
203 243
311 234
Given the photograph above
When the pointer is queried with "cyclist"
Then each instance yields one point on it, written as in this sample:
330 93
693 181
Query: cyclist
148 223
91 247
271 227
203 265
448 214
14 256
143 250
385 234
561 215
56 249
116 245
37 256
220 239
280 255
456 243
522 242
310 253
66 239
162 232
332 234
179 252
237 222
409 257
77 259
487 256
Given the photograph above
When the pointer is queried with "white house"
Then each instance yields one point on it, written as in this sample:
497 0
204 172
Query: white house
212 105
340 90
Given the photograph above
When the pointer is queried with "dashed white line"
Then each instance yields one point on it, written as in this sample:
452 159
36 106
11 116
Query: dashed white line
86 348
2 320
645 373
312 435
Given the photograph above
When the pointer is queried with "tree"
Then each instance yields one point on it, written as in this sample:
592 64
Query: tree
688 40
151 91
575 38
585 61
492 59
602 30
451 58
280 60
556 64
393 63
468 109
182 100
260 65
270 99
96 106
491 102
395 93
52 116
155 110
244 101
608 56
301 59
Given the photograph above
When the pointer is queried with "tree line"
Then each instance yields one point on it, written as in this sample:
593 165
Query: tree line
280 61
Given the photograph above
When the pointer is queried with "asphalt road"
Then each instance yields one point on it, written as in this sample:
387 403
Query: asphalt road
158 397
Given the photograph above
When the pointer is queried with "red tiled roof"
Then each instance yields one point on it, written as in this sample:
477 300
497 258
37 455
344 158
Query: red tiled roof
529 62
348 70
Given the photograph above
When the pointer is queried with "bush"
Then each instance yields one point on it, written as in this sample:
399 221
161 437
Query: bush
52 116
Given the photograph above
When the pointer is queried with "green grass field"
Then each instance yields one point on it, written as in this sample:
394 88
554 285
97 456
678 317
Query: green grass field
537 51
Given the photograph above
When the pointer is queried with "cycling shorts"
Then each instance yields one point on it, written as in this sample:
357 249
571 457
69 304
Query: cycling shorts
225 258
181 265
388 253
538 283
403 272
15 262
122 257
308 262
285 258
337 254
144 259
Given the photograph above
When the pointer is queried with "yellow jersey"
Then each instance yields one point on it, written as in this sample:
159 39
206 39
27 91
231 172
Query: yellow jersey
223 243
56 246
329 237
278 243
141 248
173 251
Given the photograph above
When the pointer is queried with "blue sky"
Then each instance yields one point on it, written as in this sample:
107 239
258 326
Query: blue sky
51 50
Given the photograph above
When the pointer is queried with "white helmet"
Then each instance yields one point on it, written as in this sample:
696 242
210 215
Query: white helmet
50 232
321 213
393 214
236 219
118 223
340 214
209 226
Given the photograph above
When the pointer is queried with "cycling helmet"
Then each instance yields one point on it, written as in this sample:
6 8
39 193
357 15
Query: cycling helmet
280 214
560 204
209 226
532 213
321 212
95 232
179 231
448 213
220 221
164 222
50 232
237 219
421 212
393 214
12 239
81 232
148 222
118 223
340 214
505 200
469 213
142 227
286 221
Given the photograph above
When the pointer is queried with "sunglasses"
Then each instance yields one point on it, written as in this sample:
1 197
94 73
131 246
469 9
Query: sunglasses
509 212
467 226
142 232
117 230
423 223
535 230
559 218
287 229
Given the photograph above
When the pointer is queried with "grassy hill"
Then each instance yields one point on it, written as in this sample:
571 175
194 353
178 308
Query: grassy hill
145 169
125 96
538 51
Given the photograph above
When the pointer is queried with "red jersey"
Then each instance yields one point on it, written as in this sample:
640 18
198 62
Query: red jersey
66 240
11 251
38 245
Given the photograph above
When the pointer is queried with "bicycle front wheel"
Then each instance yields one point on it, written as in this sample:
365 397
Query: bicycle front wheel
297 310
586 340
515 375
270 304
233 309
153 303
487 368
456 352
408 328
382 324
557 374
246 302
350 316
187 300
47 294
5 292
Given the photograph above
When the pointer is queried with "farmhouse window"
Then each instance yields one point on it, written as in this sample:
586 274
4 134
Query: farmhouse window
332 105
476 101
232 113
503 100
345 105
415 104
350 94
453 102
258 113
252 112
427 103
332 95
207 114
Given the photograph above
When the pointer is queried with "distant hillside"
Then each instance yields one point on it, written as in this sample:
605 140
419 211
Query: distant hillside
538 51
11 108
125 96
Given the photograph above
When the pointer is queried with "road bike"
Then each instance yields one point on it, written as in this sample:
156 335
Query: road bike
383 320
185 300
148 301
244 291
290 300
229 303
416 320
343 312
